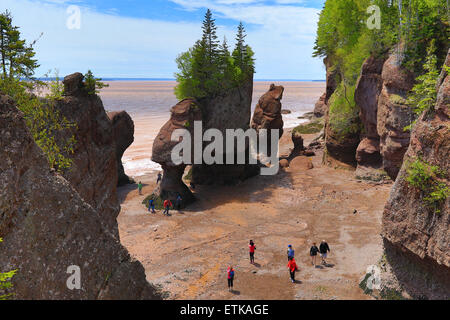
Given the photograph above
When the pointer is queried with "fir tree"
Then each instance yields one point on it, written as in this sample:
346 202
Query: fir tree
239 52
209 38
17 58
208 68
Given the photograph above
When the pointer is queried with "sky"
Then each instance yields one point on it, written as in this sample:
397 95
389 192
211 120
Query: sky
142 38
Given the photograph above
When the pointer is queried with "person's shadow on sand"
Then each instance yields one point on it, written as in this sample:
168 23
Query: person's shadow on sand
329 265
235 292
298 282
256 264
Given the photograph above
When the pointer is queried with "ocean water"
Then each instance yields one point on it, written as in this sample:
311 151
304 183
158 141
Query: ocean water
149 103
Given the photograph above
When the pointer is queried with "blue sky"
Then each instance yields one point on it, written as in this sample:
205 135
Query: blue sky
141 38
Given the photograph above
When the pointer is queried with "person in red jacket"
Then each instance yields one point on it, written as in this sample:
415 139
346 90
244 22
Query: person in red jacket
292 268
230 277
167 204
252 249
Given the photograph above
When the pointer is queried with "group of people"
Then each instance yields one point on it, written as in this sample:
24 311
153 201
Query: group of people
323 250
167 204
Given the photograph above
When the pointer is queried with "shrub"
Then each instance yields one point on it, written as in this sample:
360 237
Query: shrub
425 178
5 283
92 85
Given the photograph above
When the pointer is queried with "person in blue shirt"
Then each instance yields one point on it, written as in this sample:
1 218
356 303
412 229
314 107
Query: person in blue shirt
290 253
151 206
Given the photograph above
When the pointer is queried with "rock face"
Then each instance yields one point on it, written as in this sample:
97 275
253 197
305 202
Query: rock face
416 237
47 226
123 131
368 89
341 146
94 170
320 109
229 111
267 113
394 114
183 116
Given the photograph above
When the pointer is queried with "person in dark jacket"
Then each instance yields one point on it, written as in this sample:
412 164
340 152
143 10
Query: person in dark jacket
313 253
324 249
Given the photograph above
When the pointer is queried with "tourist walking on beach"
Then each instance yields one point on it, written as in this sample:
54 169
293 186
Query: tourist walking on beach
313 253
292 265
230 277
290 252
167 204
140 187
252 249
178 202
151 206
159 178
324 249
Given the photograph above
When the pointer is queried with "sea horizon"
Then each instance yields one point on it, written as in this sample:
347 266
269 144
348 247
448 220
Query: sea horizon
171 79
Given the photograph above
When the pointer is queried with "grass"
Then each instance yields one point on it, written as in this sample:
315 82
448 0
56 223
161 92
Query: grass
309 128
159 203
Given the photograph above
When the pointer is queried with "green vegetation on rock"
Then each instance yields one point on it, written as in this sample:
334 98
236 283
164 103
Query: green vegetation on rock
314 126
92 85
16 80
424 94
344 38
5 283
344 112
426 178
159 203
209 69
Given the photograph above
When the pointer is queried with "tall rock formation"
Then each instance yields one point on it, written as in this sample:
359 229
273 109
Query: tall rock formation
267 113
393 113
94 170
416 236
368 89
183 116
123 132
48 227
231 110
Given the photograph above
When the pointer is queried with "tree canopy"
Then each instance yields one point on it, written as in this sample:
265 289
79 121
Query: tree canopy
209 68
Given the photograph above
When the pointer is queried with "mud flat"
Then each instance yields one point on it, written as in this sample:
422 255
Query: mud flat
187 254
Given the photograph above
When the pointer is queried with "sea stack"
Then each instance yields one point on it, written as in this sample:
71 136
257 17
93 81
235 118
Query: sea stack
183 116
231 110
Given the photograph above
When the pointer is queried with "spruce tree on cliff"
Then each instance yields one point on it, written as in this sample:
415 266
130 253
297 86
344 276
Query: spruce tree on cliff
208 69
